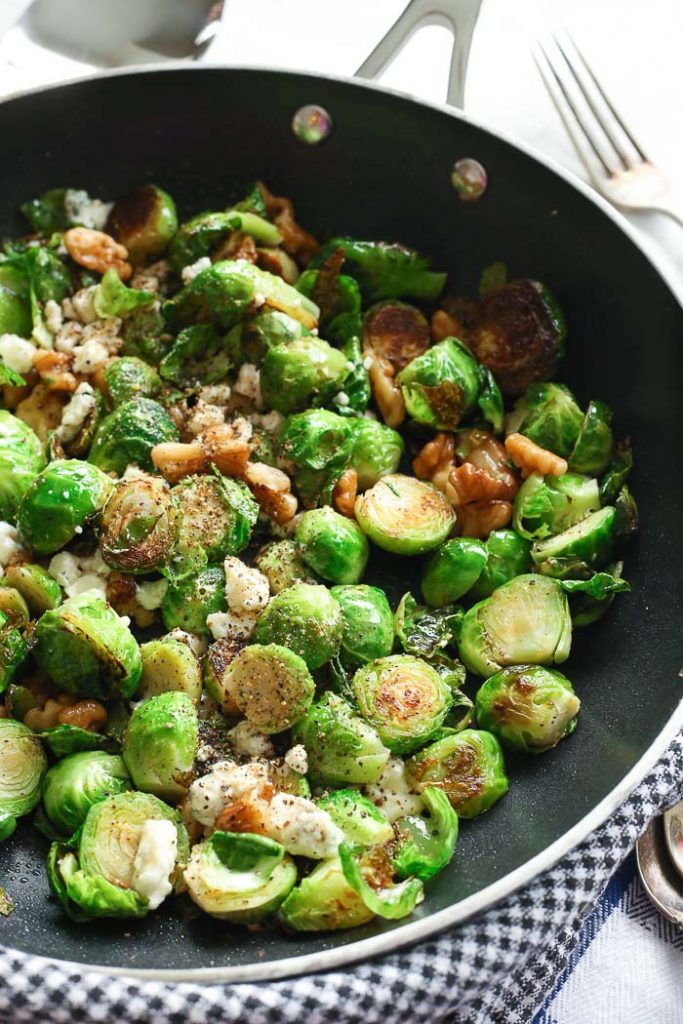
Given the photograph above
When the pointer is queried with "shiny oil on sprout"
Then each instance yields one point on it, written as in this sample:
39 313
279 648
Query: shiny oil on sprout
293 539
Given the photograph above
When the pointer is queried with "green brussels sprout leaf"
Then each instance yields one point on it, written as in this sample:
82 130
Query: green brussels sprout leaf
425 846
362 823
324 901
369 873
113 298
385 271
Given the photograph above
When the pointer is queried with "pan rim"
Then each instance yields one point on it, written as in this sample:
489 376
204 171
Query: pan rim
418 930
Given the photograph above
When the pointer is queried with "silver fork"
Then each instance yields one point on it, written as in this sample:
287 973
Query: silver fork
615 161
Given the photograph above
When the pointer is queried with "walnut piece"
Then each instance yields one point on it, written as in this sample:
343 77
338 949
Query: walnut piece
98 251
531 458
344 493
385 390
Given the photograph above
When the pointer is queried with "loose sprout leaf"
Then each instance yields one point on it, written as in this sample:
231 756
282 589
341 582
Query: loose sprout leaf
599 586
617 474
197 356
385 271
379 893
423 631
71 739
424 847
113 298
587 607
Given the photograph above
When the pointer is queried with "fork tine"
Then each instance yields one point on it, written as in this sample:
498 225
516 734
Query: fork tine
585 141
589 94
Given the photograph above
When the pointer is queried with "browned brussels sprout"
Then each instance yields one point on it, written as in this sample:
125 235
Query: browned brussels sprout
519 334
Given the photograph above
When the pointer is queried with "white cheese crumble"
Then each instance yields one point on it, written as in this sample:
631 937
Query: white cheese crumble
155 861
248 384
69 336
203 416
341 398
296 758
10 545
81 209
151 278
225 783
78 575
215 394
393 793
83 305
53 316
81 404
226 624
270 421
150 595
17 353
246 739
246 589
303 829
89 357
190 272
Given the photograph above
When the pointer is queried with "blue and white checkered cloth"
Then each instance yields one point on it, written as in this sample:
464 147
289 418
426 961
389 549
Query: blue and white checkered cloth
597 948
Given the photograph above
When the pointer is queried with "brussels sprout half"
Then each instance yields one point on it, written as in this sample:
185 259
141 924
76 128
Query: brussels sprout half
98 880
21 459
14 648
37 588
549 415
200 235
528 707
342 749
281 563
424 846
519 333
239 877
217 515
296 373
249 340
86 648
404 698
524 621
138 525
318 444
270 685
590 541
145 221
453 570
23 766
12 604
441 386
169 665
128 378
404 515
508 555
75 783
160 745
128 434
467 766
306 619
231 290
368 623
545 506
66 496
362 823
324 901
332 545
385 271
377 451
188 602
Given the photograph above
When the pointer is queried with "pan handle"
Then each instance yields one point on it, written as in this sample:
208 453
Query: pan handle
460 16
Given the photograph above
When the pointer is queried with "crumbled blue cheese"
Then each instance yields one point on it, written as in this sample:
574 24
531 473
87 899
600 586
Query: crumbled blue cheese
53 316
246 589
80 208
269 421
89 357
155 861
150 595
393 793
248 384
78 575
249 741
304 829
203 416
10 545
190 272
296 758
81 405
83 305
69 336
17 353
215 394
225 783
227 624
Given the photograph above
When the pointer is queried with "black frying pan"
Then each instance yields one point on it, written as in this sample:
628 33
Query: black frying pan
204 134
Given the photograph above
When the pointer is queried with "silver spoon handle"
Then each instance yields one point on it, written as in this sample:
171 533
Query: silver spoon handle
460 16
